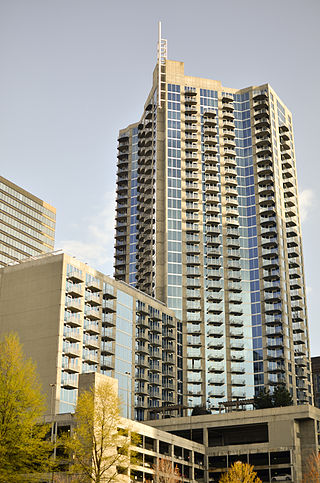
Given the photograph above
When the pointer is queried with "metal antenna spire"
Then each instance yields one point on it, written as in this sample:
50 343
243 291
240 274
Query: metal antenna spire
161 60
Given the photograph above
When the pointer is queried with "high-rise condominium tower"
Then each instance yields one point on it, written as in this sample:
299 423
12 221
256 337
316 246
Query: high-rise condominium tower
208 222
27 224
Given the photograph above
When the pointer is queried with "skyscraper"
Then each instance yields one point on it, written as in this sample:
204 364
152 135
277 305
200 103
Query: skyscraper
27 224
208 222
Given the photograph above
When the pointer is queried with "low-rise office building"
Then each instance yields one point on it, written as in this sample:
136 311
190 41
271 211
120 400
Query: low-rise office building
277 441
73 319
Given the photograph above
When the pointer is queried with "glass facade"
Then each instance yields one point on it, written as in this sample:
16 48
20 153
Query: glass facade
118 331
27 225
230 264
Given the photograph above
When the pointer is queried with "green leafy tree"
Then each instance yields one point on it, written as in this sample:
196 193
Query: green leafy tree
100 445
240 473
281 397
263 400
23 448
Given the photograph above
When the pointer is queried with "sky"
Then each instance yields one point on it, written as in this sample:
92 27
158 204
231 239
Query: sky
74 72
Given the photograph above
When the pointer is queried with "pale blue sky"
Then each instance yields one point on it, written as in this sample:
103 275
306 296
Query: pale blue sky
73 72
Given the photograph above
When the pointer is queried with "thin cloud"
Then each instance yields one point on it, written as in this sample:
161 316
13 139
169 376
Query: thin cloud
96 248
307 201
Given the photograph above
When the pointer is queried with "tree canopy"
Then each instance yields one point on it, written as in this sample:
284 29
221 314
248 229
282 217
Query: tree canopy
280 397
312 469
200 411
240 473
166 472
100 443
23 448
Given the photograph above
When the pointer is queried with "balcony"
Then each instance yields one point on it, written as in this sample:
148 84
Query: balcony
215 344
71 365
215 320
237 357
190 108
235 322
235 345
227 114
69 381
74 289
237 368
214 263
274 331
275 355
73 319
74 304
141 389
276 367
235 286
298 327
233 264
227 97
108 306
214 284
210 140
190 118
108 320
217 368
274 343
273 320
190 98
234 298
215 393
212 209
75 276
108 334
229 142
71 350
93 299
72 334
238 381
190 146
262 122
210 149
236 333
92 313
106 363
210 130
228 123
216 355
214 240
216 380
230 161
210 159
92 342
190 126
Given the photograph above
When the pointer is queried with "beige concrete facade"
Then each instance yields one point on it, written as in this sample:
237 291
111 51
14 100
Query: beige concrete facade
276 441
27 224
208 222
155 444
72 319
